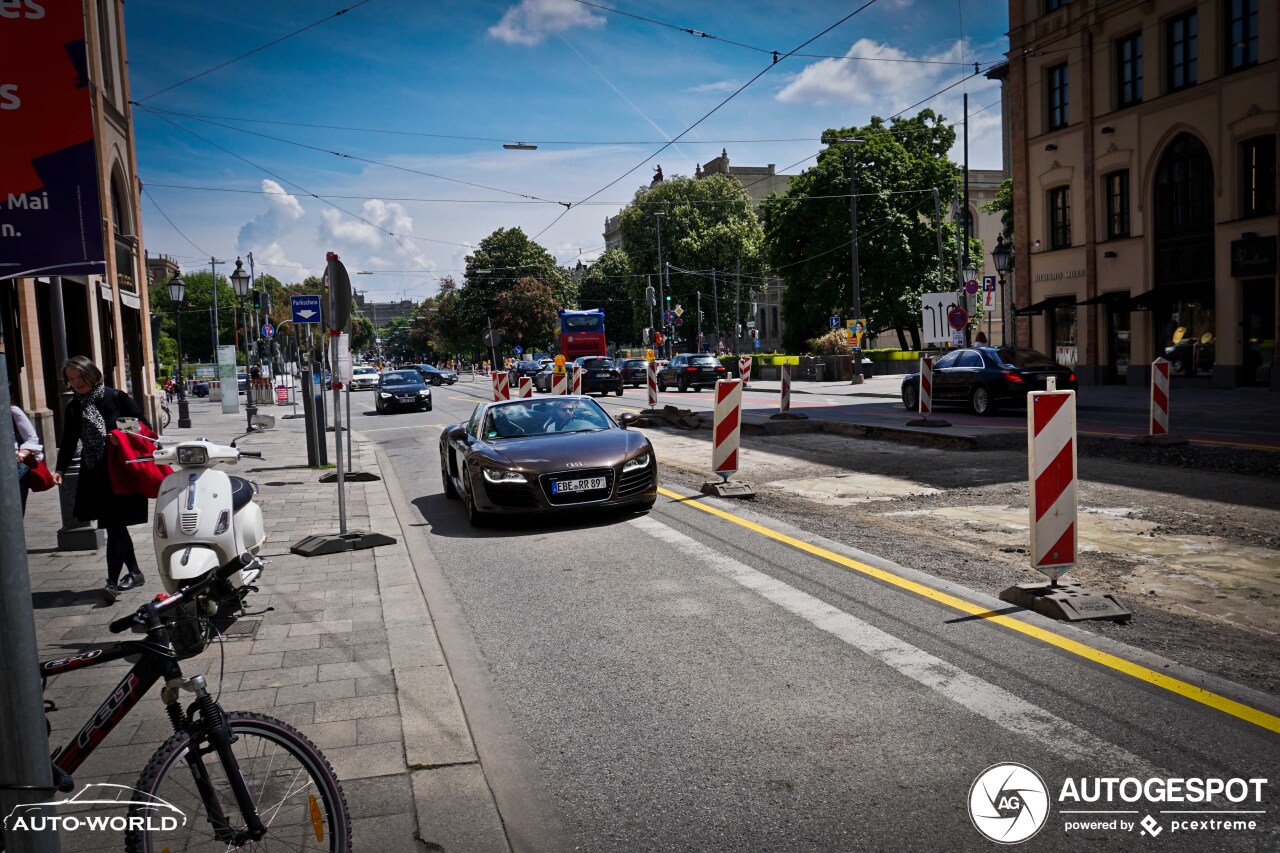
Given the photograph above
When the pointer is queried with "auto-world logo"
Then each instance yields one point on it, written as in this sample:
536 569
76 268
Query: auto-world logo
77 812
1008 803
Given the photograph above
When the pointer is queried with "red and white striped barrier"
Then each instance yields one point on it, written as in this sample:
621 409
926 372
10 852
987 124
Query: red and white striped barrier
501 387
1159 397
726 427
576 379
744 369
1051 445
526 387
784 404
559 383
651 377
926 384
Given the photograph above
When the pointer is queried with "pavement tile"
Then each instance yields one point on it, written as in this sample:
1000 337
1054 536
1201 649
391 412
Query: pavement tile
320 690
332 735
414 646
357 708
385 834
355 669
371 759
285 644
374 684
354 638
278 677
435 730
379 730
378 795
456 810
338 626
334 654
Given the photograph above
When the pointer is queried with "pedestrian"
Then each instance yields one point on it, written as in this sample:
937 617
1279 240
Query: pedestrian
980 339
90 417
27 448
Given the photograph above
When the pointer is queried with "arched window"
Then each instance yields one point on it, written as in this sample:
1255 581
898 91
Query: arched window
1184 184
105 49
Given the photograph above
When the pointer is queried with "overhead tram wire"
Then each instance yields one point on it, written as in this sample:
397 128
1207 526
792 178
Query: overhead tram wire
249 53
706 116
203 253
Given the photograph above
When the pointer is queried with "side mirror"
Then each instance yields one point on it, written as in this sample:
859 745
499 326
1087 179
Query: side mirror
627 419
458 433
263 422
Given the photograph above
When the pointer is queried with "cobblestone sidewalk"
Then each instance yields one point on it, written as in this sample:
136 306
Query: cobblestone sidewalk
349 655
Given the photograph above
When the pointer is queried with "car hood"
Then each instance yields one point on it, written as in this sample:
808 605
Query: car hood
555 452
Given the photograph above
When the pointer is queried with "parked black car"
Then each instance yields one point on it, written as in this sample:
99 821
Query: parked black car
435 375
200 388
983 378
402 389
633 372
694 370
599 374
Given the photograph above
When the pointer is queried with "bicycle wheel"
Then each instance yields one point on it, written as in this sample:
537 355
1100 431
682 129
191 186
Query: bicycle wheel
165 417
298 797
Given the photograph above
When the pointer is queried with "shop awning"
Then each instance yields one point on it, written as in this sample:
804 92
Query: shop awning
1044 305
1157 297
1106 298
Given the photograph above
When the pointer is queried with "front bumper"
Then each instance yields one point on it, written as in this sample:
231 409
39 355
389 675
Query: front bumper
631 489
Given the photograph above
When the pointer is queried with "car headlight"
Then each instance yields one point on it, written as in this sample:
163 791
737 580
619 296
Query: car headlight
425 392
640 462
384 395
495 476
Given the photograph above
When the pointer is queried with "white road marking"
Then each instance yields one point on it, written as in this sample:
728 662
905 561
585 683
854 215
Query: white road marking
993 703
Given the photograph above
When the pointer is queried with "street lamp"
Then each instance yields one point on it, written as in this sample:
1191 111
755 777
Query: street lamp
855 272
177 290
240 281
1000 256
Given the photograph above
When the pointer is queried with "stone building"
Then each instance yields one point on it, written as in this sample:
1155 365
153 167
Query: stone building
1144 169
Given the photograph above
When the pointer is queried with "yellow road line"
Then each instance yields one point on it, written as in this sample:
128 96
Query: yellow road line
1142 673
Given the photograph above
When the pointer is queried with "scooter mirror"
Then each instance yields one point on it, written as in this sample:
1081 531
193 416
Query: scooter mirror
263 422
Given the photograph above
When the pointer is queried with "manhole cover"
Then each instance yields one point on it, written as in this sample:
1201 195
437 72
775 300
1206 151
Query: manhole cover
242 629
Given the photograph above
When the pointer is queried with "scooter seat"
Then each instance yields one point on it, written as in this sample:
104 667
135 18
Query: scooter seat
241 493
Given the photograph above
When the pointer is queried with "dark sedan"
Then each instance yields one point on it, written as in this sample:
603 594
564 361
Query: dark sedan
526 368
983 378
694 370
634 372
435 375
600 374
402 389
200 388
545 455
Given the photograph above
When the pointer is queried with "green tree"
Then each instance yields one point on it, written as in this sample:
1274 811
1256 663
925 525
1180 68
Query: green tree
526 314
446 321
607 284
808 231
706 224
196 313
395 338
361 332
505 257
420 332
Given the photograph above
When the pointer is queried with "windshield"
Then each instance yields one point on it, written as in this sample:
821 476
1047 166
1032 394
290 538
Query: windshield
704 360
597 363
582 322
400 377
365 371
1025 358
544 417
633 362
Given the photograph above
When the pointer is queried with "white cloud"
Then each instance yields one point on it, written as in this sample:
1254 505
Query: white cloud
720 87
370 235
283 212
533 20
850 81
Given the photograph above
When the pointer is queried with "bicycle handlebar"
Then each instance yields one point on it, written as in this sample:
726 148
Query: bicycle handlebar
139 616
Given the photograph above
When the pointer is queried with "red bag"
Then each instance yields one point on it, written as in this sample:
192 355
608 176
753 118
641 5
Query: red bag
39 478
140 477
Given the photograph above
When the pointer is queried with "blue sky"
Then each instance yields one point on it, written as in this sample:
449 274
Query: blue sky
429 91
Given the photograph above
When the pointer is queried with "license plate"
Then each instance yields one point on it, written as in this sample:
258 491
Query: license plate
588 484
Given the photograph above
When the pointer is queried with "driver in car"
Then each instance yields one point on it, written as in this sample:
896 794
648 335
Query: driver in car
568 416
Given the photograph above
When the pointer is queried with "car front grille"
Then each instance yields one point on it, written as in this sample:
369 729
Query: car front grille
577 497
514 495
635 481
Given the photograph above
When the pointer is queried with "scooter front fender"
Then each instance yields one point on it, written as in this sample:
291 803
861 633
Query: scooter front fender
187 564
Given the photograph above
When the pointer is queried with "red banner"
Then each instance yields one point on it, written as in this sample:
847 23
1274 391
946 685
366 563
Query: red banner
50 215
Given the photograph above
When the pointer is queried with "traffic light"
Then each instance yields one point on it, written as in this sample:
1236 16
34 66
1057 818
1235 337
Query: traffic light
254 297
699 315
650 297
668 297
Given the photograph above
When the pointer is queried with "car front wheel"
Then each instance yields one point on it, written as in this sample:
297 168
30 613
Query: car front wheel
662 386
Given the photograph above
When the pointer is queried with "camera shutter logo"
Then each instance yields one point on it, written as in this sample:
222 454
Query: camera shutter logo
1008 803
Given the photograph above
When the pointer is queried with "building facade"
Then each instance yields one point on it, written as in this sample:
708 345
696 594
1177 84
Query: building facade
104 316
1144 172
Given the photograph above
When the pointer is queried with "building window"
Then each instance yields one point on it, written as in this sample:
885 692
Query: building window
1258 176
1060 218
1054 5
1184 184
105 49
1129 70
1116 186
1057 86
1182 51
1242 34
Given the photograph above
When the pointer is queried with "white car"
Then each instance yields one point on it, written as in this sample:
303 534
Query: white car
364 378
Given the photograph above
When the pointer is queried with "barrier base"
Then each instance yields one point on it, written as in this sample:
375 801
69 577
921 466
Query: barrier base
931 423
350 477
1069 601
728 489
789 416
319 544
1167 440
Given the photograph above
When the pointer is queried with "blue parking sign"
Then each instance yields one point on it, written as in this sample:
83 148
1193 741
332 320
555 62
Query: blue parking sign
306 308
835 322
517 349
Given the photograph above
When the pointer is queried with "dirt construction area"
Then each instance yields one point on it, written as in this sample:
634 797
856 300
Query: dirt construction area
1192 550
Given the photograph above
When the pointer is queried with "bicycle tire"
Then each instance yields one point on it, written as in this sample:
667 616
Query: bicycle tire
165 417
324 791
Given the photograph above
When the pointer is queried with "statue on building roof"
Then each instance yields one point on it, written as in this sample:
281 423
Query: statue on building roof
657 175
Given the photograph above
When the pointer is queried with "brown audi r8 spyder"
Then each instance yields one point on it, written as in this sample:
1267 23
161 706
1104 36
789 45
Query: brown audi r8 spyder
541 454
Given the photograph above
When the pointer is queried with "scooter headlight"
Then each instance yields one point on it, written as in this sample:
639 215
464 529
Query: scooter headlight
192 454
224 521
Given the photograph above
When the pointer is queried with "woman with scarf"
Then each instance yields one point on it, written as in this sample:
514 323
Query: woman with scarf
89 419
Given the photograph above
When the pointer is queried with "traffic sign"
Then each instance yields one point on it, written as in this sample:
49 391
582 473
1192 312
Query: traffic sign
268 330
678 321
835 322
492 339
755 343
668 316
517 349
958 318
305 308
679 311
971 286
988 292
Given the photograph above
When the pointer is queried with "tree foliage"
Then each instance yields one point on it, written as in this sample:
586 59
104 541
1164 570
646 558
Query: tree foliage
606 284
395 338
526 314
503 260
196 313
446 323
809 236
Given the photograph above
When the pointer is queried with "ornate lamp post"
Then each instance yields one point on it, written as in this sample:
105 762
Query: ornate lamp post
240 281
177 290
1001 256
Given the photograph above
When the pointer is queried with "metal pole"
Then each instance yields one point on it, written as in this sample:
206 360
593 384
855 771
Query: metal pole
184 411
217 333
715 305
337 436
968 332
699 300
937 216
737 306
853 227
662 299
648 280
24 760
296 379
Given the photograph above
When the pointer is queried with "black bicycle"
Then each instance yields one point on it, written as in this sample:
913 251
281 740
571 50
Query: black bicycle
239 780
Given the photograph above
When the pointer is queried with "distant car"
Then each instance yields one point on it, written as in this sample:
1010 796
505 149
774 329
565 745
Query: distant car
525 368
984 378
696 370
243 380
542 379
1191 355
634 372
363 378
545 455
599 374
402 389
435 375
200 388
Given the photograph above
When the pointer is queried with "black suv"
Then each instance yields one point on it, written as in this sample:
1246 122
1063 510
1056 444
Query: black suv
634 372
600 374
694 370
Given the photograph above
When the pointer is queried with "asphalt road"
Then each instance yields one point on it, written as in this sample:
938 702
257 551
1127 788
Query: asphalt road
699 678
